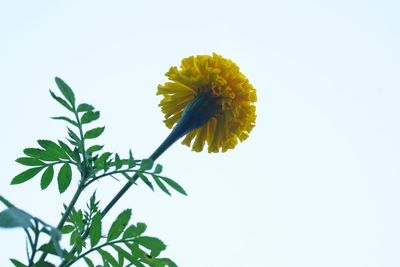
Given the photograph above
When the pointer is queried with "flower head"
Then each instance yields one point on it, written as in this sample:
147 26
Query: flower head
213 95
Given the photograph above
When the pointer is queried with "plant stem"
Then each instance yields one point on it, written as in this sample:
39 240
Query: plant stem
66 214
83 172
81 186
96 178
70 207
6 202
35 243
172 138
31 244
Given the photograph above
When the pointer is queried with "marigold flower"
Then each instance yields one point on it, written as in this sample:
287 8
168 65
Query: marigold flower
214 97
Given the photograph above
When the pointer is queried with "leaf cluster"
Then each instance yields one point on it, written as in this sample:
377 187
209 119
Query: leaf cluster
123 244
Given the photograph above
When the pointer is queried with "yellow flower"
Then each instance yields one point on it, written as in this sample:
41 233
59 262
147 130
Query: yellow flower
227 112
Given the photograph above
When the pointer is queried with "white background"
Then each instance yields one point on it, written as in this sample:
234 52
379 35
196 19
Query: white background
316 184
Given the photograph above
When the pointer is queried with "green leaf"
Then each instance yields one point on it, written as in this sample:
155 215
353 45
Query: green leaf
64 177
94 133
147 164
29 161
134 230
68 150
67 229
93 204
17 263
119 224
165 262
76 153
95 230
154 244
131 258
145 180
121 259
107 257
161 185
90 116
74 136
40 154
94 148
66 91
89 262
85 107
26 175
44 264
158 168
61 101
63 118
53 149
14 217
76 218
131 161
174 185
76 239
47 177
101 162
48 248
128 177
118 162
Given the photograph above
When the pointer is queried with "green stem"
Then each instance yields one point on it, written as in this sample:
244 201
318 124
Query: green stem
70 207
83 143
6 202
96 178
66 214
35 244
81 186
31 244
62 162
172 138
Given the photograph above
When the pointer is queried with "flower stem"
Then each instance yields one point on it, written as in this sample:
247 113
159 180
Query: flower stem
172 138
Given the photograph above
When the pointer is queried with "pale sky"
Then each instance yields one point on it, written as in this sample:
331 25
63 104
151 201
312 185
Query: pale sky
317 182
